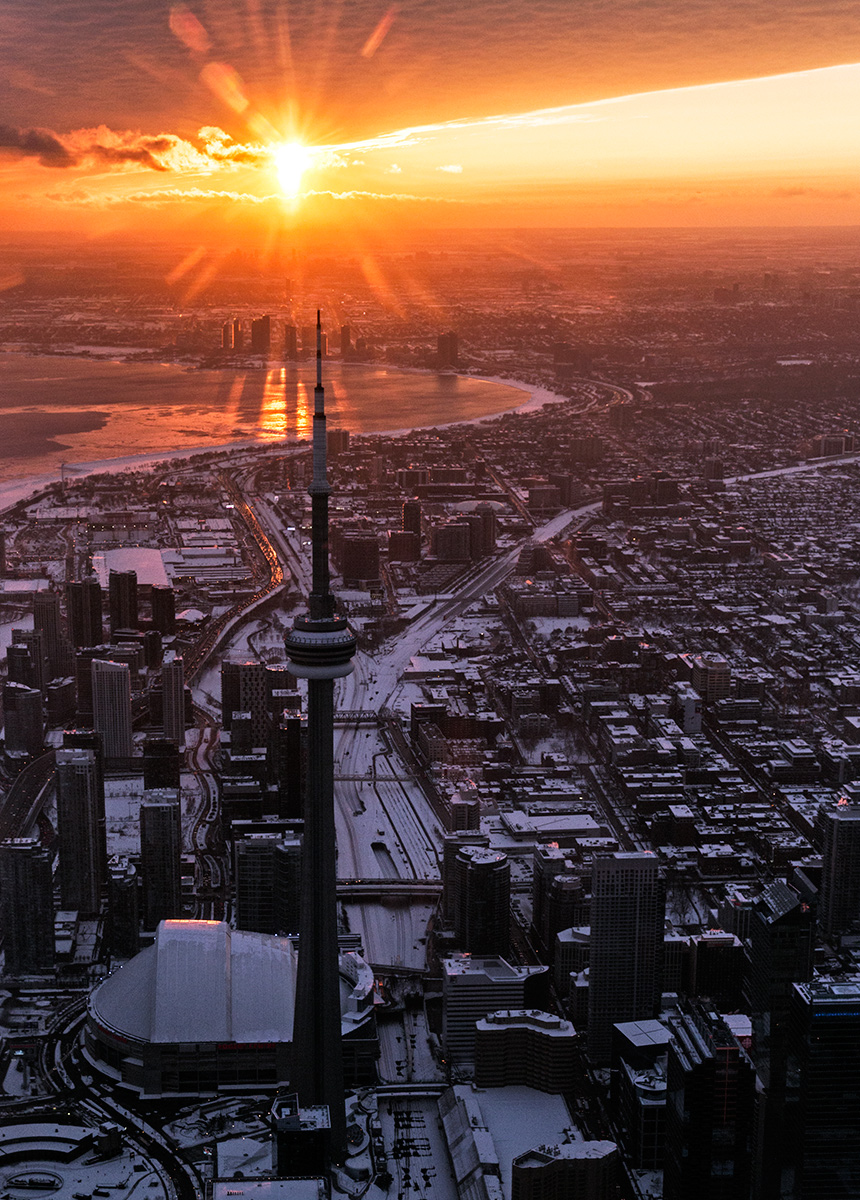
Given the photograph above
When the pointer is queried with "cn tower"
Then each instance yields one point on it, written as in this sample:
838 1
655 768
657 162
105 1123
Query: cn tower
320 647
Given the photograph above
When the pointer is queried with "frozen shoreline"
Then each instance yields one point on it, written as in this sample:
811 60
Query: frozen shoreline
16 490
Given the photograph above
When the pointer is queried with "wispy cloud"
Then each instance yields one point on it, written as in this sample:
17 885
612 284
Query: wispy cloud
358 195
159 196
156 197
794 193
452 168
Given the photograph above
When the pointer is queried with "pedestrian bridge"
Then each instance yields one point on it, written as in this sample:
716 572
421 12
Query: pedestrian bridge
356 716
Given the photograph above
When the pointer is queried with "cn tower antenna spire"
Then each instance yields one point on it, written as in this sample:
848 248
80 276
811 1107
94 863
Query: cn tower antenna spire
319 351
321 601
320 647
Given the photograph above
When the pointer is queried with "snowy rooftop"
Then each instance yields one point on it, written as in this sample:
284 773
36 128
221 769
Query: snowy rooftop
11 587
62 1157
270 1189
494 1126
145 561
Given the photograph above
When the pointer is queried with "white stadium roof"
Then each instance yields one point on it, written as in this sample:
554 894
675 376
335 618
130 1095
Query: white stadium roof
202 982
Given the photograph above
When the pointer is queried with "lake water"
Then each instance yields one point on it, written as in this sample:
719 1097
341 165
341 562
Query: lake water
77 410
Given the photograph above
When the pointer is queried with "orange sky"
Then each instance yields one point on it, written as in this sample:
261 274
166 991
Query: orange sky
156 120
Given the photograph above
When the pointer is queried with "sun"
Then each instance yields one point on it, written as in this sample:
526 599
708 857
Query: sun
291 161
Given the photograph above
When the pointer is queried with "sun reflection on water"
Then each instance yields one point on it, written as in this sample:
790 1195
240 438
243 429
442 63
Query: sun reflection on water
285 409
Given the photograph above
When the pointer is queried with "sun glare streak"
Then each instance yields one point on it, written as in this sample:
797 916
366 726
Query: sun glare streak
291 161
379 34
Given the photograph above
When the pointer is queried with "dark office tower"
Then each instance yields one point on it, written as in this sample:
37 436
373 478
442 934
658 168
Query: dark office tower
288 885
122 600
227 336
716 969
24 725
446 350
482 905
403 546
359 559
261 335
320 647
161 764
164 610
825 1056
281 694
291 343
173 698
160 856
337 443
245 688
345 341
839 899
84 679
559 894
254 882
123 915
24 662
2 553
238 335
91 739
710 1111
781 946
84 612
287 753
309 339
46 620
781 941
34 642
627 915
112 706
489 524
452 844
410 517
81 833
26 907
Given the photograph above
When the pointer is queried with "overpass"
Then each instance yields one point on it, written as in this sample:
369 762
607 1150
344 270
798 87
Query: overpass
393 889
373 777
22 803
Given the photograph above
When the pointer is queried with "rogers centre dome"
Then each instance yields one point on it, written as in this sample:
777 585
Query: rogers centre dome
209 1008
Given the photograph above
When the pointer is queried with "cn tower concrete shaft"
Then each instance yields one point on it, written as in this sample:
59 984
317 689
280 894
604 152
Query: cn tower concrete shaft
320 647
